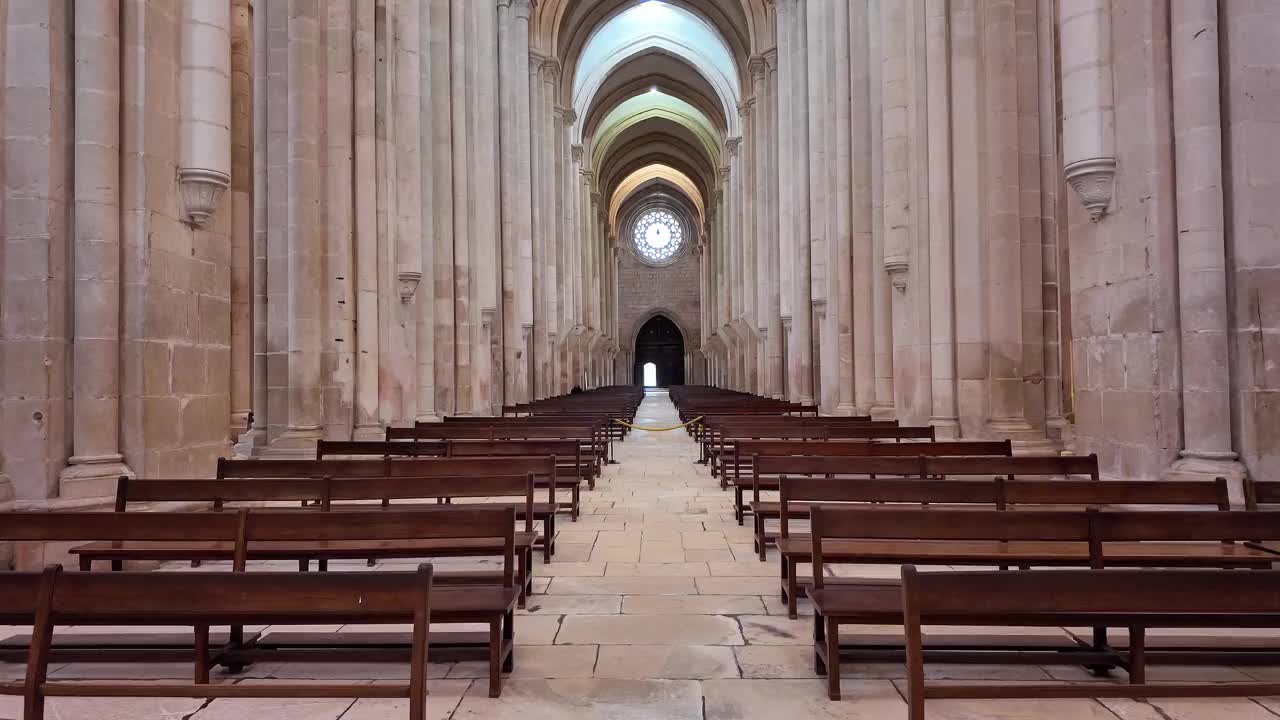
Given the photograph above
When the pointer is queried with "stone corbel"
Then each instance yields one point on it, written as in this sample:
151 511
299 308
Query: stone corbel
1094 181
408 283
487 317
820 309
898 270
201 191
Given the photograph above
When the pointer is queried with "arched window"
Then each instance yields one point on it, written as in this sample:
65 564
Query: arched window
658 236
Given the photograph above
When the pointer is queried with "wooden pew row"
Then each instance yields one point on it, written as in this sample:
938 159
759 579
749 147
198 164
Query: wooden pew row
718 446
1261 493
609 425
543 468
1134 599
716 434
53 598
572 459
772 452
1085 539
253 535
800 495
329 494
589 435
773 470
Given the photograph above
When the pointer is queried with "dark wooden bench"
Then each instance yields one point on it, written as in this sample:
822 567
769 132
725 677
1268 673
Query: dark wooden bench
606 421
53 598
773 452
1134 599
719 444
572 460
328 494
544 469
590 435
772 469
1261 493
246 535
1031 538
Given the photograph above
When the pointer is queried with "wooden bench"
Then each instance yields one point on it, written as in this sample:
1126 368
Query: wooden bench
800 495
544 469
604 420
1031 538
772 454
1135 599
589 435
1261 493
920 466
53 598
244 535
328 494
719 446
571 461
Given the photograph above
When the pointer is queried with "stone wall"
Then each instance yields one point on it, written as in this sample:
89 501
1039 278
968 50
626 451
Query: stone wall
645 291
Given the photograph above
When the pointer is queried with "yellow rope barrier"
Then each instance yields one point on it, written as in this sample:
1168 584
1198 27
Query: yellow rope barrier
651 429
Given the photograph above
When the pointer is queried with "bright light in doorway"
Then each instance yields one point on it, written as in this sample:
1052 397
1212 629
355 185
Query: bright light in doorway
650 375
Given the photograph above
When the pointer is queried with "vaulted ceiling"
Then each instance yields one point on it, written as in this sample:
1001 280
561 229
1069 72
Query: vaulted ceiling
656 86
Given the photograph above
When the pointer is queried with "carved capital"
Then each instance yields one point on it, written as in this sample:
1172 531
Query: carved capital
567 115
898 268
201 191
487 316
408 283
1094 181
757 66
577 153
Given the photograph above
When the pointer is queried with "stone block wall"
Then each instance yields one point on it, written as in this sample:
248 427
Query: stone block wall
645 291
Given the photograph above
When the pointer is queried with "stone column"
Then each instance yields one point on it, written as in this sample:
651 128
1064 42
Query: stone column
242 226
406 144
302 232
772 144
759 208
460 290
364 162
800 349
821 215
881 289
1088 105
482 59
944 414
205 126
517 213
787 240
1001 229
842 256
1203 311
862 219
96 462
432 84
258 434
338 285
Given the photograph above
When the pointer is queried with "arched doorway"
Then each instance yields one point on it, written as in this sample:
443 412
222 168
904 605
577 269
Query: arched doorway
660 342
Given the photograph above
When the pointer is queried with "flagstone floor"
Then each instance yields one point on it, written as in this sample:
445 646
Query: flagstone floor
655 607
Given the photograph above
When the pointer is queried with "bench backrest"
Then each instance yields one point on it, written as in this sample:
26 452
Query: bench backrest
227 598
403 467
464 431
92 526
928 595
379 448
1261 492
1012 467
942 448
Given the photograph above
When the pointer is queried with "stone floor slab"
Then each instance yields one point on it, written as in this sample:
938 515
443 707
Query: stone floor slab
584 700
773 699
666 662
649 629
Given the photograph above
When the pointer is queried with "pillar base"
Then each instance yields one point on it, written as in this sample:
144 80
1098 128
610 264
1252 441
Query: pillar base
295 443
372 431
92 477
250 444
845 409
884 411
945 428
1026 439
429 418
1199 467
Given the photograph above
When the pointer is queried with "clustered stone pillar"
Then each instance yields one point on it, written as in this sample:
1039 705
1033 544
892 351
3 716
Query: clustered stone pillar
96 462
1088 107
1202 262
242 226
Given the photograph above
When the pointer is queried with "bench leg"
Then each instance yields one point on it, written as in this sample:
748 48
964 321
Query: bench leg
757 522
577 503
201 674
1137 655
792 588
523 574
1099 645
738 510
548 543
833 659
85 564
495 658
819 639
508 636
